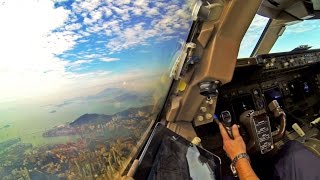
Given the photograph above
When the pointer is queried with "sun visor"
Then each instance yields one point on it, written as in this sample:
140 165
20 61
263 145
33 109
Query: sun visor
301 10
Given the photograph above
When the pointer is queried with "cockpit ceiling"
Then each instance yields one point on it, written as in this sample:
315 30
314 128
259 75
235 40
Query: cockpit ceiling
316 5
278 4
298 9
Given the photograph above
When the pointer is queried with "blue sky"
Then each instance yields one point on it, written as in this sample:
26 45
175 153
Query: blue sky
303 33
252 36
52 48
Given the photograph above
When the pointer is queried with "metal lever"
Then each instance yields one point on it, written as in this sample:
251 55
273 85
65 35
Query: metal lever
278 113
227 122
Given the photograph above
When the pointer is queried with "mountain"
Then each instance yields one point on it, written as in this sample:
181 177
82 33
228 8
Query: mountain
126 97
111 95
108 93
91 119
134 111
102 118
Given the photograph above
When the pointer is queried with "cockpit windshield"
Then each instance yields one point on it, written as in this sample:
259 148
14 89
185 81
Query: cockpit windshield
81 82
299 35
252 36
306 33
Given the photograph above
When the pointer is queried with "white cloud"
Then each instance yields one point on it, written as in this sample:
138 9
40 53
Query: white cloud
173 18
79 63
72 27
90 56
137 12
94 17
141 3
121 2
28 66
167 18
153 11
89 5
304 26
84 33
83 40
108 12
108 59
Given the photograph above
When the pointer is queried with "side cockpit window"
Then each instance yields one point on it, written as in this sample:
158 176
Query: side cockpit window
82 82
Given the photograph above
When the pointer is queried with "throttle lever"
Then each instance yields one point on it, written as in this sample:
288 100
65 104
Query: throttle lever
227 122
280 114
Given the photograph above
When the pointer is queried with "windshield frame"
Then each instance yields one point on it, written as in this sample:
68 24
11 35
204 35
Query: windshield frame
261 38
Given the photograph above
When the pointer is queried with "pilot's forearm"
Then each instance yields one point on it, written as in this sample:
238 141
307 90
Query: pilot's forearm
245 171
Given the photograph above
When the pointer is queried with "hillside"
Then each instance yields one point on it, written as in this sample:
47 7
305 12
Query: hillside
91 119
102 118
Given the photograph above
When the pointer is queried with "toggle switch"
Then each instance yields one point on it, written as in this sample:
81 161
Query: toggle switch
200 118
203 109
208 116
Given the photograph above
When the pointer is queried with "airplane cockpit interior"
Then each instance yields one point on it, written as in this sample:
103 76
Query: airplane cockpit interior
139 89
269 87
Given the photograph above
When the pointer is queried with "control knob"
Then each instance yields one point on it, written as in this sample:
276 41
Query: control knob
200 118
203 109
267 66
291 61
208 116
285 64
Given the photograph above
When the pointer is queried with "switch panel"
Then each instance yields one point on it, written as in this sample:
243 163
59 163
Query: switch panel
205 112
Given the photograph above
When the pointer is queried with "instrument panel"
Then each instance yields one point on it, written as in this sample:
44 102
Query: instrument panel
291 78
295 86
288 60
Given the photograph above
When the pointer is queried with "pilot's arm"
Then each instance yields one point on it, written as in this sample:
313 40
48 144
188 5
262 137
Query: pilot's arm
234 147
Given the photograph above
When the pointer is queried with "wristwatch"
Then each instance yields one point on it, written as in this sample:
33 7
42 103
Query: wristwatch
235 160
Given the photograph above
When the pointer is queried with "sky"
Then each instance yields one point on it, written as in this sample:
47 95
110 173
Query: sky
252 36
55 50
303 33
56 56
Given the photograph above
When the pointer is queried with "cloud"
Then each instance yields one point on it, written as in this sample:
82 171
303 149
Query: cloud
86 5
141 3
137 12
27 49
114 19
72 27
301 27
108 12
79 63
83 40
173 19
31 39
153 11
107 59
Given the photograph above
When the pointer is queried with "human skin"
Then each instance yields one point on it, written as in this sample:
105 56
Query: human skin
236 146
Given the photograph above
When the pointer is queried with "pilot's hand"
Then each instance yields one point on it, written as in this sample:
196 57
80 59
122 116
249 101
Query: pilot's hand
235 146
